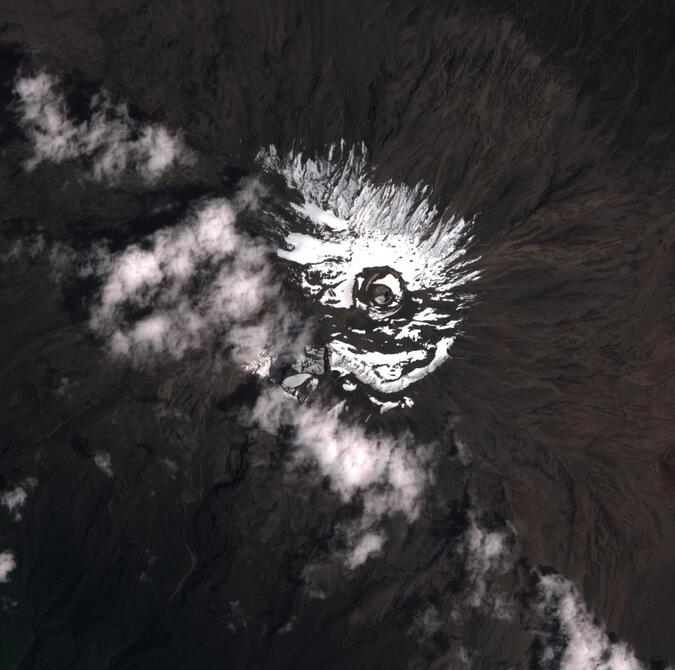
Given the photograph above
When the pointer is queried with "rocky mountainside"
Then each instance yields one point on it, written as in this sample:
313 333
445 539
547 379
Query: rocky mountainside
163 505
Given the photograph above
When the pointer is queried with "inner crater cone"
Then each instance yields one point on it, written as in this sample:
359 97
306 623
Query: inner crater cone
381 294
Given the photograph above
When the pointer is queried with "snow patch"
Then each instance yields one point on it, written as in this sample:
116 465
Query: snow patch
352 225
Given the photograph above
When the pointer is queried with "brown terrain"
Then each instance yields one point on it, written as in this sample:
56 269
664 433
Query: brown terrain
552 125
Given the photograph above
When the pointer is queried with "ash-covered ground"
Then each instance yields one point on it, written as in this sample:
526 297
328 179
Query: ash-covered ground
337 336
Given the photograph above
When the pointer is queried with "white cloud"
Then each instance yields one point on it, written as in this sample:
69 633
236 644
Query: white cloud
388 474
7 565
365 546
171 467
104 462
237 616
199 282
14 499
486 555
288 626
353 460
580 643
426 624
113 141
29 248
250 192
463 659
8 604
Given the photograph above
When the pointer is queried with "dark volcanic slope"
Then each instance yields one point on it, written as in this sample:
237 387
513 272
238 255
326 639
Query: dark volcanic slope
552 124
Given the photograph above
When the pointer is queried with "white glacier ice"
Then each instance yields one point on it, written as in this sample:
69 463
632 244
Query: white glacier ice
351 226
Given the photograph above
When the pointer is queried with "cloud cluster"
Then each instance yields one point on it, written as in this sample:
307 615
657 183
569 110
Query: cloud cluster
7 565
201 283
104 463
426 623
577 641
109 138
183 287
486 554
14 499
388 475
